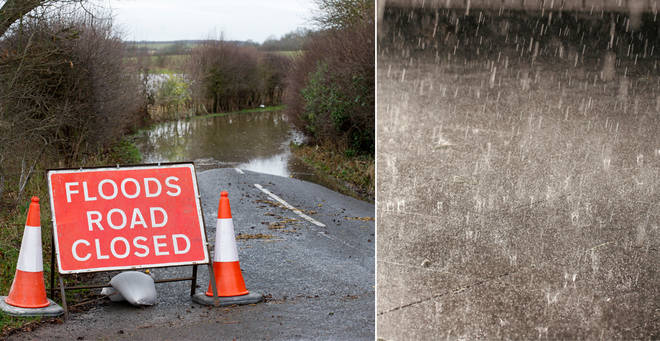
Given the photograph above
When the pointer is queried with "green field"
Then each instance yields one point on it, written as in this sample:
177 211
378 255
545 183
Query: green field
292 54
163 45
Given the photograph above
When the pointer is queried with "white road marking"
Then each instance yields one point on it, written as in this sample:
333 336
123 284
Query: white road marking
287 205
239 171
322 233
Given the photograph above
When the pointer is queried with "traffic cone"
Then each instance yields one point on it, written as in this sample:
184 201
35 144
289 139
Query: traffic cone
27 296
226 267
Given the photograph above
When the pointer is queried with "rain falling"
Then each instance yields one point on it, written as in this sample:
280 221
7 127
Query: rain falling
518 170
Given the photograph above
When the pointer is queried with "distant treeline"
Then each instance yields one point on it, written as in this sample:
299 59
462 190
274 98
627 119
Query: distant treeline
292 41
227 77
207 76
174 47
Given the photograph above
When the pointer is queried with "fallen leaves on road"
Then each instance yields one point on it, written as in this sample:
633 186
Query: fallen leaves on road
277 204
246 236
281 224
276 225
271 203
361 218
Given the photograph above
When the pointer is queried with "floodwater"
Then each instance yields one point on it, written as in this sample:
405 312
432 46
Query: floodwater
250 141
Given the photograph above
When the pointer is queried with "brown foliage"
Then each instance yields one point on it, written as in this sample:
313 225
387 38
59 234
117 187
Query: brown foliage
338 14
345 115
12 10
227 77
273 71
64 91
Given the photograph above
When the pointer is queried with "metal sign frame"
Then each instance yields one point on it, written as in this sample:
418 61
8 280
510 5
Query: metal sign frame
193 278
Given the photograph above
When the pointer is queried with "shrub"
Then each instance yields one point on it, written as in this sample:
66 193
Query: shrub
273 70
64 92
172 97
330 92
292 41
228 77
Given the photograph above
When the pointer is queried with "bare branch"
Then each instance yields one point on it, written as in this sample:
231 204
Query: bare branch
13 10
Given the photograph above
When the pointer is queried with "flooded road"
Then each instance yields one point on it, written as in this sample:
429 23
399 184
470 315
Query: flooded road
253 141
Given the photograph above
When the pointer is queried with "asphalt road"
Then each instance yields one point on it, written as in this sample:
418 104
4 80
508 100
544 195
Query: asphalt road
319 281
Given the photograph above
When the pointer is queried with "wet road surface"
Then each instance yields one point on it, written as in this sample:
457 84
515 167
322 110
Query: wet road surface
319 281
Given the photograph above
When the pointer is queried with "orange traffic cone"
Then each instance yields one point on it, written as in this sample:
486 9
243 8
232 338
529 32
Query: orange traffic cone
27 295
226 267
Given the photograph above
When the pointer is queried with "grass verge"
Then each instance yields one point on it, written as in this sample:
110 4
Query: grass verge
354 175
244 111
12 224
154 122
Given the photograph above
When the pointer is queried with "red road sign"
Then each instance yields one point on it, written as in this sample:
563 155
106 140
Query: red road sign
126 218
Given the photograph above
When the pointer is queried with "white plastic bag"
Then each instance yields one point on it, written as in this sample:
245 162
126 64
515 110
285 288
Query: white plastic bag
112 294
135 287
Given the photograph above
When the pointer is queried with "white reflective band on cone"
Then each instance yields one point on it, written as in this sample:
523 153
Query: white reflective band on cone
30 258
225 244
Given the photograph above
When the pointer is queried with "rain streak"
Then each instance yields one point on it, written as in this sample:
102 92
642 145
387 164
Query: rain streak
518 171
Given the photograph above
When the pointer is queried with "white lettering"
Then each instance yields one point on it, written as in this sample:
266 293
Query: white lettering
91 220
123 219
121 247
98 251
114 251
114 189
137 188
137 218
86 192
173 186
70 191
147 189
152 213
178 251
75 254
157 246
140 246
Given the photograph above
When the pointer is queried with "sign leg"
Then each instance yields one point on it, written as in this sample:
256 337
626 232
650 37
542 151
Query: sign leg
216 300
66 309
193 285
52 266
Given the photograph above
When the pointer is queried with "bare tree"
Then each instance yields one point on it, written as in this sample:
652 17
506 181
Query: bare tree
65 91
226 76
338 14
12 10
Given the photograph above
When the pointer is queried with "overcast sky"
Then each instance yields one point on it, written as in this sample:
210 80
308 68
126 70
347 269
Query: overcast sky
202 19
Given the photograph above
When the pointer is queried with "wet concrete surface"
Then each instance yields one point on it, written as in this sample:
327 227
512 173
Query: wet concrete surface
319 281
526 205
